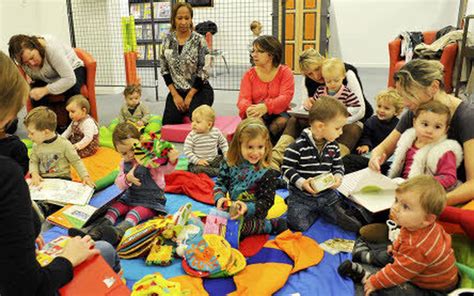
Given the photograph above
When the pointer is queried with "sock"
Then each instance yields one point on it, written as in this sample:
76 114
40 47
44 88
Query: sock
278 225
112 215
465 219
253 226
355 271
361 253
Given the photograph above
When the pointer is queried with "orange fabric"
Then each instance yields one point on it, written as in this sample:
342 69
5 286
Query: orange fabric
190 284
100 164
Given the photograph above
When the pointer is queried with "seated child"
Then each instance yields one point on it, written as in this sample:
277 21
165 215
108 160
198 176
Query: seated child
134 110
249 180
82 132
144 195
421 260
256 28
389 105
11 146
314 153
202 142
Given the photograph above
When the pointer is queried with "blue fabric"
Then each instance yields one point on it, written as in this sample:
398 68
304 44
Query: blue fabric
219 287
270 255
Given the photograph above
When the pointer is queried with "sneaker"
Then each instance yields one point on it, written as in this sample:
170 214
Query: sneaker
351 270
345 221
360 250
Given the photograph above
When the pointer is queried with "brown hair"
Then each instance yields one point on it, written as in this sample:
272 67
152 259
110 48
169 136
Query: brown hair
80 102
42 118
391 96
436 108
174 13
13 88
124 131
132 88
431 194
255 24
247 130
327 108
19 43
272 46
205 111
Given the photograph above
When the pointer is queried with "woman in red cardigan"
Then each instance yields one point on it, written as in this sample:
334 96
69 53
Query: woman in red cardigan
266 90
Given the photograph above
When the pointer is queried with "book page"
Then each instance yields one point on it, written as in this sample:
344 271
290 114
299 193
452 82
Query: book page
62 192
374 181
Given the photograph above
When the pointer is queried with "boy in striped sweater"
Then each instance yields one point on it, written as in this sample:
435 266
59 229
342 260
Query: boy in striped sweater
201 144
315 153
422 260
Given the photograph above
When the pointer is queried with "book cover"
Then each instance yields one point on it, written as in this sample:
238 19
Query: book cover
51 250
147 32
146 11
136 10
61 192
139 32
141 49
163 30
162 10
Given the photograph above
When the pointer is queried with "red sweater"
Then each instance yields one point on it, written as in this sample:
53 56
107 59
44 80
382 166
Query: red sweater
424 257
276 94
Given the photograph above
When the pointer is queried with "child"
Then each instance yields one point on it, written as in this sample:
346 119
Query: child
202 142
421 260
376 128
143 196
248 179
314 153
134 110
424 148
11 146
51 155
256 28
82 132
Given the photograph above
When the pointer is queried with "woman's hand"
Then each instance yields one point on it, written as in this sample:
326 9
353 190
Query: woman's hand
179 102
241 209
187 100
38 93
131 177
78 250
308 103
362 149
257 111
376 160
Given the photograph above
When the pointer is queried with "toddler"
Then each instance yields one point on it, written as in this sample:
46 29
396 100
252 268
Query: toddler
314 153
134 110
82 132
202 142
256 28
248 179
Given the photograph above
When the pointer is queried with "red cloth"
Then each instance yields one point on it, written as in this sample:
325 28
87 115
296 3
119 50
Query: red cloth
251 245
197 186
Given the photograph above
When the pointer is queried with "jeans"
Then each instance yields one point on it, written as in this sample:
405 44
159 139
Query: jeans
109 254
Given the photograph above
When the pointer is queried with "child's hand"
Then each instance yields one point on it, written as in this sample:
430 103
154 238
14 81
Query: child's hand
203 162
390 249
337 183
140 123
36 179
363 149
307 186
368 288
88 181
39 242
308 103
220 203
131 177
241 209
173 155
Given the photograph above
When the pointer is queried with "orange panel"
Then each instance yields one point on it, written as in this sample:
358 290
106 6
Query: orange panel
309 4
290 4
290 26
307 46
309 26
289 55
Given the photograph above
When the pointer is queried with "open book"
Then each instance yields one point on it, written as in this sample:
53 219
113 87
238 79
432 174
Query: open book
61 192
370 189
72 216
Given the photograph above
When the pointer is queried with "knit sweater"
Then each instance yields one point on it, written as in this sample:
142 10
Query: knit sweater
204 145
376 130
141 113
348 98
248 183
303 160
54 159
424 257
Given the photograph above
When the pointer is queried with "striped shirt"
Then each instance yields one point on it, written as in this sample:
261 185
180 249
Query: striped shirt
303 160
348 98
424 257
204 146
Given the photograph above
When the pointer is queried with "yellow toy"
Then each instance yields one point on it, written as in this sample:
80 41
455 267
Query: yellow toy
156 284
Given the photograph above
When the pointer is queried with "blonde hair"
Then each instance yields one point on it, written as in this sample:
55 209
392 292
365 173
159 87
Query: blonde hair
247 130
132 88
333 66
430 193
124 131
255 24
311 60
13 88
327 108
391 96
80 102
206 112
42 118
436 108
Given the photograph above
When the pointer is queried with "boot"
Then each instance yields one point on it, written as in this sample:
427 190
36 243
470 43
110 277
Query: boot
279 149
94 231
113 235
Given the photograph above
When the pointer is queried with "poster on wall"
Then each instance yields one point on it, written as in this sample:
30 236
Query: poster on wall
200 3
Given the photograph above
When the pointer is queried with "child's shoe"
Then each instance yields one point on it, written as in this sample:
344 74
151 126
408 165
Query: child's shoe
278 225
113 235
343 220
355 271
95 231
360 252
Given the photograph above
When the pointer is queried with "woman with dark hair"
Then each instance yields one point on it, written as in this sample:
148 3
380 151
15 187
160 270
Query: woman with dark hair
266 90
52 68
182 61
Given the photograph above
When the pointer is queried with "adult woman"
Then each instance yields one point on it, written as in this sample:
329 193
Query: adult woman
182 66
266 90
310 63
53 67
20 273
420 81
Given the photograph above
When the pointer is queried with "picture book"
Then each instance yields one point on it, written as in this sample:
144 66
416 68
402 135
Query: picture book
370 189
141 49
139 32
72 216
51 250
146 11
336 245
163 30
147 32
162 9
322 182
136 10
61 192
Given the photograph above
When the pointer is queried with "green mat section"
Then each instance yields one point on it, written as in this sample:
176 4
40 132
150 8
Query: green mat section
464 252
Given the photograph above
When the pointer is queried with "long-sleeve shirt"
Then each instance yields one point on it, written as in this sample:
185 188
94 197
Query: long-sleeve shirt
53 159
141 113
303 160
88 127
11 146
157 174
204 145
348 98
248 183
276 94
20 273
376 130
59 64
424 257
